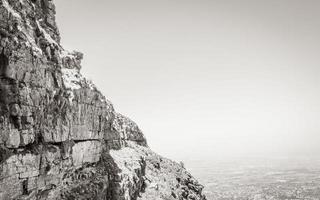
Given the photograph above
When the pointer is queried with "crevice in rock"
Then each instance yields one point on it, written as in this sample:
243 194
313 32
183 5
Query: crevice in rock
86 140
25 187
4 153
4 62
16 121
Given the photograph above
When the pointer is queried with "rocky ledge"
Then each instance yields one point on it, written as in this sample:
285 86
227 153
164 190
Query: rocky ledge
60 138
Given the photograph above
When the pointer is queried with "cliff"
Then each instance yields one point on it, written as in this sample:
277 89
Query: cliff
60 138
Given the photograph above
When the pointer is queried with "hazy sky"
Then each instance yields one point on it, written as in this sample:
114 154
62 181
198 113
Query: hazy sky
206 77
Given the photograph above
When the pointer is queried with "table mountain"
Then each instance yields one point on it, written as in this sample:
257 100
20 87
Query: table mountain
60 138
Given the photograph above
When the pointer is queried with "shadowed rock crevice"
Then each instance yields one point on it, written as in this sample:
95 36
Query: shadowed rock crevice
4 62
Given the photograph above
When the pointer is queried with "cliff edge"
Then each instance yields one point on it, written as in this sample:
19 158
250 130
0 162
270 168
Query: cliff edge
60 138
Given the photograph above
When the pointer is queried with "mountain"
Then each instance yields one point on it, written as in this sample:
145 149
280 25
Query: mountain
60 138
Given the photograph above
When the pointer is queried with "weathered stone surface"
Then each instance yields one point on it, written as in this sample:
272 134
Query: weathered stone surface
13 138
60 138
162 178
24 164
86 152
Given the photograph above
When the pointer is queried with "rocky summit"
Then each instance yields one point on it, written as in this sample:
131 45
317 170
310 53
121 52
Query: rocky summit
60 138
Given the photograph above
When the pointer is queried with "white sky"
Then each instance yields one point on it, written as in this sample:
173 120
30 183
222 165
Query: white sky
215 78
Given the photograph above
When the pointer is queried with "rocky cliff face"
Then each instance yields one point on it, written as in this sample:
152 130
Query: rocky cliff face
59 136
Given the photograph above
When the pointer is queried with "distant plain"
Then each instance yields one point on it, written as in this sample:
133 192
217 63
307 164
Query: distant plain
259 178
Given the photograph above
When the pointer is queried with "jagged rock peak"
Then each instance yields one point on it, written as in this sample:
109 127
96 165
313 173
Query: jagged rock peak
60 138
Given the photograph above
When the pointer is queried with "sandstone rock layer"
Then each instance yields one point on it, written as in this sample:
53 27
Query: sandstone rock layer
60 138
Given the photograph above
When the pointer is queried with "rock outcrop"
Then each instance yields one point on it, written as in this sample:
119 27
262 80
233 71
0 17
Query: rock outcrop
60 138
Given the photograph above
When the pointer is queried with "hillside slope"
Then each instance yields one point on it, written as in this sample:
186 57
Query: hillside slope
60 138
